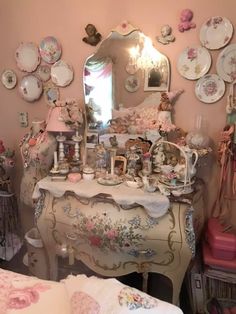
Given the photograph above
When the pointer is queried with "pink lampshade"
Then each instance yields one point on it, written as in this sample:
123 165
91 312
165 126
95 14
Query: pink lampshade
55 122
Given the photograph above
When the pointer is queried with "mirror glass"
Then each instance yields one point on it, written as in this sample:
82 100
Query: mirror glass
124 71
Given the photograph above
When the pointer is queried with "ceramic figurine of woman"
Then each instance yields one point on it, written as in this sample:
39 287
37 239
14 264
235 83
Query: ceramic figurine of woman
101 156
133 162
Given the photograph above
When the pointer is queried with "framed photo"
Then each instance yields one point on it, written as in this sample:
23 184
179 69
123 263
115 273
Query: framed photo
157 79
120 163
91 139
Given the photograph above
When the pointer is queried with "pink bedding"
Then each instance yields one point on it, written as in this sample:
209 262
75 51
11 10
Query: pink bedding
75 295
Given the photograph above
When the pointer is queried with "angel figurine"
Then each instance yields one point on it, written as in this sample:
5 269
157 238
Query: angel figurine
166 36
93 37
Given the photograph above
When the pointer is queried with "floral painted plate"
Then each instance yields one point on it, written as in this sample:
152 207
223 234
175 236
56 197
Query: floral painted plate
226 63
50 49
30 88
210 88
27 57
194 62
9 79
132 83
62 73
216 32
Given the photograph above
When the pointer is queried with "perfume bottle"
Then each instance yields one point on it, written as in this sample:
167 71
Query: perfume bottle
147 164
198 137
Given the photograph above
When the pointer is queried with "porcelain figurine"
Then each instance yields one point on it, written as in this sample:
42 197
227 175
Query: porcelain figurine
186 20
93 37
166 36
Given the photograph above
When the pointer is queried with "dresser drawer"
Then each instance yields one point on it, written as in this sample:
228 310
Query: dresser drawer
98 216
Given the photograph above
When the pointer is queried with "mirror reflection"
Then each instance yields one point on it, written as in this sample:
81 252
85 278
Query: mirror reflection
121 74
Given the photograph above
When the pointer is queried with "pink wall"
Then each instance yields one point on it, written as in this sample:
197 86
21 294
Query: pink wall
28 20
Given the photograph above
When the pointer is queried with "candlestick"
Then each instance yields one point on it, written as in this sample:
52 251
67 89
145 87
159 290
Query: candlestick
55 160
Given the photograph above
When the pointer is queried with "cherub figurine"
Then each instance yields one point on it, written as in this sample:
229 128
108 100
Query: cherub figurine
166 36
93 37
185 20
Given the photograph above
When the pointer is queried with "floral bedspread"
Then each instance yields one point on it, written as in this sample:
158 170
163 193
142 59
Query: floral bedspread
75 295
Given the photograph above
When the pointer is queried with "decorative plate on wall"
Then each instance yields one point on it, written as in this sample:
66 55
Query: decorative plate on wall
50 49
210 88
216 32
62 73
51 94
132 83
27 57
30 88
9 79
194 62
226 63
44 72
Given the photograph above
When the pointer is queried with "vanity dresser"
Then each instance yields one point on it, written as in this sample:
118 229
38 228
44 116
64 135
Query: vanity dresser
110 231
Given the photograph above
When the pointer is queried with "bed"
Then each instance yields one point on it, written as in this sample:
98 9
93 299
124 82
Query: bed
75 295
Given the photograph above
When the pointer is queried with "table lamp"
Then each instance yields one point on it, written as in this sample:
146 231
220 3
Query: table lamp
55 123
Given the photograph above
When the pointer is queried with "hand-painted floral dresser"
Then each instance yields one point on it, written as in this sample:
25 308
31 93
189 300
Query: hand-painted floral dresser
111 230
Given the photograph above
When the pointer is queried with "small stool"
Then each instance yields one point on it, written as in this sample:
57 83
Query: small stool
10 242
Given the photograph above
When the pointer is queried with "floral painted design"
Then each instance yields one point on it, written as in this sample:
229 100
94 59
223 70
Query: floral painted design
134 300
19 298
210 88
214 22
192 54
103 233
83 303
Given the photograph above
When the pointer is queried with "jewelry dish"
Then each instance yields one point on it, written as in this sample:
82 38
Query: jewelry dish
226 63
27 57
9 79
216 32
50 49
62 73
30 88
194 62
210 88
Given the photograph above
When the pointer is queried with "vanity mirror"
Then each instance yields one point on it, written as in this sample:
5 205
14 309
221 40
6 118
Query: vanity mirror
124 71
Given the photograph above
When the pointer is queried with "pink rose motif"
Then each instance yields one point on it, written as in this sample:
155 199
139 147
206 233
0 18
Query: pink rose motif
21 298
192 54
111 234
95 241
89 225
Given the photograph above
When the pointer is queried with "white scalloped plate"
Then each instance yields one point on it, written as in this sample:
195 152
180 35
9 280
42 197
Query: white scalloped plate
194 62
210 88
226 63
62 73
9 79
216 32
27 57
30 88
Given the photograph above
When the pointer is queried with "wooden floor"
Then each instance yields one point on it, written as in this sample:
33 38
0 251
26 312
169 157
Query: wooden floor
158 285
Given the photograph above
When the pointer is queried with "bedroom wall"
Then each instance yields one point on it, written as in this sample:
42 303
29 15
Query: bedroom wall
28 20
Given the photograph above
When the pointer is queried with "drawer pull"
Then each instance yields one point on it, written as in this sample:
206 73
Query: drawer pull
71 236
146 252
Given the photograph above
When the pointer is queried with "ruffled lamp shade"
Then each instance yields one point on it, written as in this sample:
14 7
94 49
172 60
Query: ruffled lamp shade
55 122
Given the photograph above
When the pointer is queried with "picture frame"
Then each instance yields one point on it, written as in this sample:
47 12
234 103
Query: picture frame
157 78
120 165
